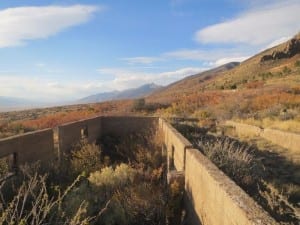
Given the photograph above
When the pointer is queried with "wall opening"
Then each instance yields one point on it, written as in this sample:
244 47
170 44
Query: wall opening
14 164
171 160
84 132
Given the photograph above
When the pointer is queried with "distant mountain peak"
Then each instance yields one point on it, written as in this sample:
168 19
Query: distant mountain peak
132 93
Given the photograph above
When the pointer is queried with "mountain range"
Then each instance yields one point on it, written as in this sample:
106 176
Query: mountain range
271 69
271 72
132 93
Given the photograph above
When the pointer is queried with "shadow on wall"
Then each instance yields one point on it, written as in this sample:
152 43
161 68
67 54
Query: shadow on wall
191 216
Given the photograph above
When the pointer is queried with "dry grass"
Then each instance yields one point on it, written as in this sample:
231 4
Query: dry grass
235 159
32 204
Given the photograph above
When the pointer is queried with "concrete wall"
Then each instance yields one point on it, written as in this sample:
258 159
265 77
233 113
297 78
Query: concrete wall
211 198
245 129
71 133
121 126
176 145
29 147
39 145
215 198
288 140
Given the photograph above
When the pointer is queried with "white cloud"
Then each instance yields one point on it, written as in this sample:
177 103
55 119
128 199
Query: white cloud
142 60
259 26
214 57
223 61
45 89
187 54
40 65
278 41
18 25
180 73
123 78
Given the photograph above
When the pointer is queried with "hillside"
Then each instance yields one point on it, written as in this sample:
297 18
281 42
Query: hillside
190 83
238 76
126 94
266 87
261 92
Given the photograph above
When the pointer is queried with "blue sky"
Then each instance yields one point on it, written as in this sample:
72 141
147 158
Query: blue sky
65 50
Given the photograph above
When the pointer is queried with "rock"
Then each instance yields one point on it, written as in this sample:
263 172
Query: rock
291 48
266 58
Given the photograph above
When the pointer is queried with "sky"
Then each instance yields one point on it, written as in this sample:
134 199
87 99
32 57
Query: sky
54 50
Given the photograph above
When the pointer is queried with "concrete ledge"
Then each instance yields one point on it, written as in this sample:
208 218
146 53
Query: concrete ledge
216 199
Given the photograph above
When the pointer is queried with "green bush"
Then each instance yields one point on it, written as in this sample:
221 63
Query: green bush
85 158
113 178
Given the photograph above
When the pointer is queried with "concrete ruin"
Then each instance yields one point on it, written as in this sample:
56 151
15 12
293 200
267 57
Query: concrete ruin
288 140
211 198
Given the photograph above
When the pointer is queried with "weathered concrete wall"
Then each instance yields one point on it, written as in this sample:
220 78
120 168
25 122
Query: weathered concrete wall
245 129
288 140
211 198
176 145
121 126
216 199
71 133
29 147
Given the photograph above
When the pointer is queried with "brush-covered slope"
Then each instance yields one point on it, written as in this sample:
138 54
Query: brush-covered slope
190 83
274 67
266 85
